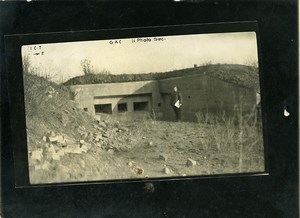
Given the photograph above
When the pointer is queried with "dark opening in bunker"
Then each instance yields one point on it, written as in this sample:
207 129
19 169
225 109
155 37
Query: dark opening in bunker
122 107
140 106
103 108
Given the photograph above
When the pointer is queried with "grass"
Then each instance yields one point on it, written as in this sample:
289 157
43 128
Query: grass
231 132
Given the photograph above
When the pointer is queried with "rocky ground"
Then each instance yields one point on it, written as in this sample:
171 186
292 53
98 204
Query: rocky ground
137 149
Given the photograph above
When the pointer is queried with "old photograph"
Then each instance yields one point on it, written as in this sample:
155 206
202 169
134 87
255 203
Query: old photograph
144 107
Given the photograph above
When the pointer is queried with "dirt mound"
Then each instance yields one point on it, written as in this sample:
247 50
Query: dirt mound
60 134
239 74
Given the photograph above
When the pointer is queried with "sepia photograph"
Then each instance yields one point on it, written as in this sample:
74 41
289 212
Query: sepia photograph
172 106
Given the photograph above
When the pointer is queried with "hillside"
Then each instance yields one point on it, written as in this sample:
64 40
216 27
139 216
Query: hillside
239 74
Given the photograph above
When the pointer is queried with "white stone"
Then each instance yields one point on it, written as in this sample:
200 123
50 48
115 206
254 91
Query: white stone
131 163
57 139
84 148
37 154
55 157
191 162
44 138
166 170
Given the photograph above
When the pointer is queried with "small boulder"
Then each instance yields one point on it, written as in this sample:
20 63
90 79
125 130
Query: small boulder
55 157
191 162
37 154
163 157
84 148
57 139
44 138
167 170
150 143
50 149
131 163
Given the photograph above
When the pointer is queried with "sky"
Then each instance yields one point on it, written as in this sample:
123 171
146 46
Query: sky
61 61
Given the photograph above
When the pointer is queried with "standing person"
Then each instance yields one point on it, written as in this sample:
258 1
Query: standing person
176 103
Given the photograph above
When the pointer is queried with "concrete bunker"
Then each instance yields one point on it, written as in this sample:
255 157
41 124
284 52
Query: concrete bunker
131 99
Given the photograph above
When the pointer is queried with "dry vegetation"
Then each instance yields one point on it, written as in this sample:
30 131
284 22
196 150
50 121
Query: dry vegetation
246 76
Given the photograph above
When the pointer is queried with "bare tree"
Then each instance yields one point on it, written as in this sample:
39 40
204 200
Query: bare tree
86 67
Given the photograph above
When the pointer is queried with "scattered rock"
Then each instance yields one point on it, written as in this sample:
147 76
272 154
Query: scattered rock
45 165
102 124
151 143
44 138
163 157
139 170
183 174
191 162
61 153
144 137
110 151
81 142
115 130
37 154
124 129
73 149
166 170
51 133
98 138
98 145
84 148
131 163
55 157
117 124
50 149
57 139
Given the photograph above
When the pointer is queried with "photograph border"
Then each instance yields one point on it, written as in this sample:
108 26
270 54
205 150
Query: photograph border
275 195
14 64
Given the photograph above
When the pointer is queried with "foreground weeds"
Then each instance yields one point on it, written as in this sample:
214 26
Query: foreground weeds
232 132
